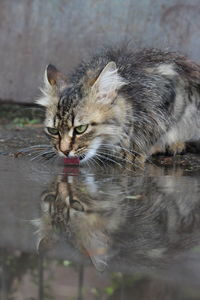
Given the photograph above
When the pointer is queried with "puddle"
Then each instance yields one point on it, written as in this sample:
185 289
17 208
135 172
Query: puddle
78 233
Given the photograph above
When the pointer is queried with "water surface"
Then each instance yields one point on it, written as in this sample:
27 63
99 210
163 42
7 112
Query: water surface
78 233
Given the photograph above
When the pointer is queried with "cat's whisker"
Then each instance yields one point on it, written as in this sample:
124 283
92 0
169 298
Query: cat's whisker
34 149
121 159
95 162
101 161
45 150
42 154
49 159
108 158
90 162
36 146
112 152
93 158
132 152
53 156
87 163
111 156
125 149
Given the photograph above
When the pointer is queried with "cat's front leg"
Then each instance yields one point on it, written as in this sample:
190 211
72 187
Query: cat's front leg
173 149
176 148
134 160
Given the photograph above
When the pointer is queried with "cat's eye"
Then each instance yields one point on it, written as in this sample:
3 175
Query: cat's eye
80 129
53 131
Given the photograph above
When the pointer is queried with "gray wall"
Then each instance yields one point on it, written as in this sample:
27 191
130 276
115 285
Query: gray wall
36 32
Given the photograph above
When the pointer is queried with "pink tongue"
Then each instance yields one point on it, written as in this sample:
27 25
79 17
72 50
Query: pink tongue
72 160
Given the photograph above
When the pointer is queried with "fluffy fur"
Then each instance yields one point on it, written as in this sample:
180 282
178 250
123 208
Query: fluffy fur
132 104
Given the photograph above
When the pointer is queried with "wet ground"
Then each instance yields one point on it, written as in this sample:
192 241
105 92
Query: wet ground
103 233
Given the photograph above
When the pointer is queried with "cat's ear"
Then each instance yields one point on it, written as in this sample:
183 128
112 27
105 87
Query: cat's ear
44 244
108 83
44 233
54 83
54 78
96 246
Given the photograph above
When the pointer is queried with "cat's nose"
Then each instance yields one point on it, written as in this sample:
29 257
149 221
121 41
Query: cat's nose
66 152
65 145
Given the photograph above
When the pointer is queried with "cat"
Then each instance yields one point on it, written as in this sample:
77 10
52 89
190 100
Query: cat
139 222
123 106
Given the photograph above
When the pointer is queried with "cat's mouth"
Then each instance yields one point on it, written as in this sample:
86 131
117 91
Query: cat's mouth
71 160
74 160
82 155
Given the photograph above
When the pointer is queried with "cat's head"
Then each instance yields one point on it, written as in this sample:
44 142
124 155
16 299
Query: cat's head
85 115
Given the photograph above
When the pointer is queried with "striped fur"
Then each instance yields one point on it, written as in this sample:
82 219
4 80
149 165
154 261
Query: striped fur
132 102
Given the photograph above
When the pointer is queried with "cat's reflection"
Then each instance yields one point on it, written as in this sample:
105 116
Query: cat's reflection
124 222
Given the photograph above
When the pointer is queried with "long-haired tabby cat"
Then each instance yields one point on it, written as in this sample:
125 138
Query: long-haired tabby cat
122 106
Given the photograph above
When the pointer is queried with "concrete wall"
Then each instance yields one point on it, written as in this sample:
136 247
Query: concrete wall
36 32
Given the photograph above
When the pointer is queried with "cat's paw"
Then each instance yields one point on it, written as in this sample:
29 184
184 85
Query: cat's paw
176 148
157 150
135 161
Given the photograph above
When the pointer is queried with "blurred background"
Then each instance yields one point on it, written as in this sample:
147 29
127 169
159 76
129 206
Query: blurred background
34 33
